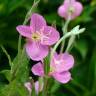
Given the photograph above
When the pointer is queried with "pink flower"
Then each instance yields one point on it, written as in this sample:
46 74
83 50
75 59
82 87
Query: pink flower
39 37
38 88
59 67
70 8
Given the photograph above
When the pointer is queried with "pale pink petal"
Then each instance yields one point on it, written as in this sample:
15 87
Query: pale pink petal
64 77
24 31
68 61
62 62
78 9
62 10
37 22
49 36
36 51
67 2
37 69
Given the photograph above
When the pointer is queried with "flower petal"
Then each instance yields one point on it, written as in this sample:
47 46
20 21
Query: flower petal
62 62
64 77
36 51
37 69
24 31
49 36
68 61
67 2
78 9
37 22
62 11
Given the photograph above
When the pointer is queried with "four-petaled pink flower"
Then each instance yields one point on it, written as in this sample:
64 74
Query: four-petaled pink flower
39 37
70 9
38 88
59 67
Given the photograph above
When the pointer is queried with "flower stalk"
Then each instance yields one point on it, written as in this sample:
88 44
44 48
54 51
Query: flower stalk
64 29
74 31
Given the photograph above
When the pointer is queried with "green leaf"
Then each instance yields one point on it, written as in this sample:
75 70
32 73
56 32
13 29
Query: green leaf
14 89
20 67
55 86
92 71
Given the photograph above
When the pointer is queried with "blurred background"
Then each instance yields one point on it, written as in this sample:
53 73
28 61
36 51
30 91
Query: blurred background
12 13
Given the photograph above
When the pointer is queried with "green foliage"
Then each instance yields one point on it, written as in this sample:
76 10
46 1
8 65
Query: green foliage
14 89
7 74
20 67
17 76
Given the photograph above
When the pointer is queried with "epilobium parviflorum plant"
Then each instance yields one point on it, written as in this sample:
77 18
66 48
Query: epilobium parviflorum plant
42 41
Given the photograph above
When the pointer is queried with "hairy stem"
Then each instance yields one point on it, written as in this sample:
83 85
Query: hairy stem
6 53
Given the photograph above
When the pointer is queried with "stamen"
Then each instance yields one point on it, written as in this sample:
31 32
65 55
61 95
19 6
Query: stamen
36 36
71 9
60 61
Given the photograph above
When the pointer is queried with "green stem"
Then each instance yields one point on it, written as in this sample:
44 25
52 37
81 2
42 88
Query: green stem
45 86
70 42
27 17
19 45
74 31
64 29
57 44
66 25
45 78
6 53
33 91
